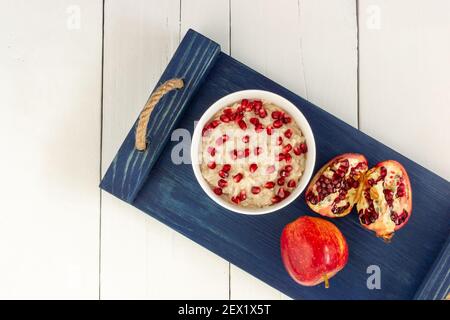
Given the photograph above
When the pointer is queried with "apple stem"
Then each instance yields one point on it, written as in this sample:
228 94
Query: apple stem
327 283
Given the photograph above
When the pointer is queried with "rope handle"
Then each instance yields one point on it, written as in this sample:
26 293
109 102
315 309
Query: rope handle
144 117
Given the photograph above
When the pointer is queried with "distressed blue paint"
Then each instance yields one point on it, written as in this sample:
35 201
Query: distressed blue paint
171 194
193 59
436 285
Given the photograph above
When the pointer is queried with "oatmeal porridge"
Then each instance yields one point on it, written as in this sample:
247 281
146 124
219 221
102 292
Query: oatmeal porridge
252 153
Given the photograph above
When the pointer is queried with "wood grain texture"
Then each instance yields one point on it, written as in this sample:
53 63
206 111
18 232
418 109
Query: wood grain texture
50 84
191 62
252 242
213 21
405 78
404 96
436 285
50 62
310 47
142 258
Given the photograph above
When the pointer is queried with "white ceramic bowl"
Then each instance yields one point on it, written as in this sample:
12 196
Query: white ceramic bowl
282 103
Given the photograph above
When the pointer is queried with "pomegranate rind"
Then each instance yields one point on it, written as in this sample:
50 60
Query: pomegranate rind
325 210
312 250
381 230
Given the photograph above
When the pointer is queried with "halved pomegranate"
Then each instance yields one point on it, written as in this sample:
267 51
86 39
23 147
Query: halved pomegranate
336 188
386 202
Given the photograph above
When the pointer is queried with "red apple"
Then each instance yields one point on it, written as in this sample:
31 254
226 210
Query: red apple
313 250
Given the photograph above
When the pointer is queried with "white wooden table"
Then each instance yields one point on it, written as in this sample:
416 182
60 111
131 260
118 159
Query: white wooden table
75 73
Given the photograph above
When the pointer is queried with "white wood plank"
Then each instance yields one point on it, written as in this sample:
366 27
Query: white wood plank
50 62
211 19
142 258
405 78
310 47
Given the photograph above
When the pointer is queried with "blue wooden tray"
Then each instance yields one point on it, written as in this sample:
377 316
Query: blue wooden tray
415 265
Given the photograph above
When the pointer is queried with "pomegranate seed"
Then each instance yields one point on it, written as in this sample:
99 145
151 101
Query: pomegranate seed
254 121
242 124
288 158
223 174
239 117
262 113
222 139
215 123
253 167
280 193
287 193
297 151
281 181
284 173
291 184
228 111
303 147
236 199
237 177
218 191
345 163
225 118
257 103
270 169
206 131
269 130
259 128
226 167
244 102
245 139
288 168
256 190
246 152
383 172
240 154
212 151
276 199
211 165
258 151
234 154
222 183
287 119
277 123
280 157
243 195
287 148
401 190
288 133
276 115
279 141
269 185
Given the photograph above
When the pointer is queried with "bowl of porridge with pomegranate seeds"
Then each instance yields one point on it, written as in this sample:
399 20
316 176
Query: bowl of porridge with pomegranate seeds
253 152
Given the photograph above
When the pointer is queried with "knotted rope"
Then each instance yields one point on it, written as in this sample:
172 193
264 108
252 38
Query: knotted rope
144 117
